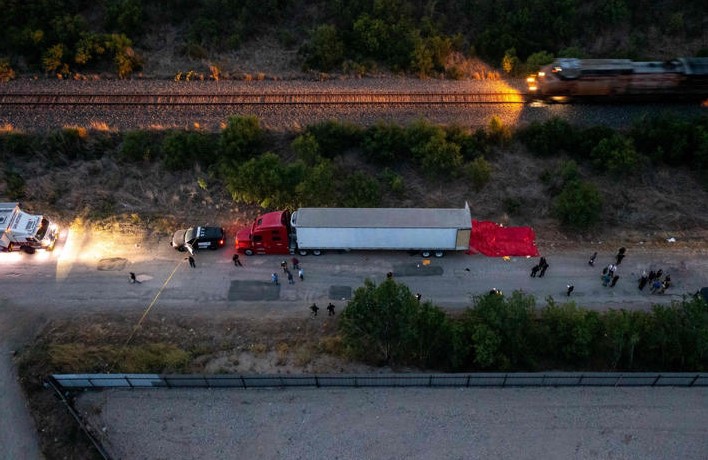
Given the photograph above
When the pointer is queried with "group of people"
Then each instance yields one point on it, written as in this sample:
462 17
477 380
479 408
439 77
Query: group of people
653 279
330 309
289 274
540 268
609 276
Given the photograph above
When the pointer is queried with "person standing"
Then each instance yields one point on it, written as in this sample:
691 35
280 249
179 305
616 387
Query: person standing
614 280
543 269
133 278
620 255
534 270
314 309
274 279
571 288
284 266
330 309
301 274
591 262
296 263
290 277
237 261
191 262
643 281
606 278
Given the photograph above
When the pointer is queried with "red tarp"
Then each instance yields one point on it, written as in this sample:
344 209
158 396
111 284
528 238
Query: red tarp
491 239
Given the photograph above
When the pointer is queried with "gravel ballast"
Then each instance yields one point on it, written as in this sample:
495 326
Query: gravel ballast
350 423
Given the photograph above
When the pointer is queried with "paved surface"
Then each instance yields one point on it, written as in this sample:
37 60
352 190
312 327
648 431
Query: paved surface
533 423
87 274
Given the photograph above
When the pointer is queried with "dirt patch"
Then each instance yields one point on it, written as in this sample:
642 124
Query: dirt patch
217 343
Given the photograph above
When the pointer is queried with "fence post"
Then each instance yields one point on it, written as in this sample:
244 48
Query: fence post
243 382
468 380
656 380
694 380
127 380
317 381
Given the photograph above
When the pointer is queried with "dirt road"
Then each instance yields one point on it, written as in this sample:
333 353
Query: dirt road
89 272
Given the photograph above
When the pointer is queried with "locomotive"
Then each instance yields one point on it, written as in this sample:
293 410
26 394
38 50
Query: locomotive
570 78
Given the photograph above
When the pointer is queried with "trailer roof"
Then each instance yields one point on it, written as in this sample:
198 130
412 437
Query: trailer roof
384 217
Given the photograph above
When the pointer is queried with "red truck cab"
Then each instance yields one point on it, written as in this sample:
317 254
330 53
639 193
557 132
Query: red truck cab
269 234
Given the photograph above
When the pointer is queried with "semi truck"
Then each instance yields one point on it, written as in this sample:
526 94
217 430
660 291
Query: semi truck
22 231
432 231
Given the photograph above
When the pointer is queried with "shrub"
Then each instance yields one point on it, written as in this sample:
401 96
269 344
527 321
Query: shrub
307 148
537 60
578 206
318 186
549 138
360 191
241 139
266 181
67 144
615 155
497 132
479 172
334 137
438 157
139 146
325 50
16 145
181 149
387 324
570 332
14 185
501 331
384 143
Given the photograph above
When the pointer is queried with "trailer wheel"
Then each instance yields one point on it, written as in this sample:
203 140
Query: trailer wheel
248 252
316 252
302 252
27 249
425 253
439 253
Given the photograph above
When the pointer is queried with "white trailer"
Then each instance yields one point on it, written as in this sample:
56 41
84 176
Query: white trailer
431 231
24 231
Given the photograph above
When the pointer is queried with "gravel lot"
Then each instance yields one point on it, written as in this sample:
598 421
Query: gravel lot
641 423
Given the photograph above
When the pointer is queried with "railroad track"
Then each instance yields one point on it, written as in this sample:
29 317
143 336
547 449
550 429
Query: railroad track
310 98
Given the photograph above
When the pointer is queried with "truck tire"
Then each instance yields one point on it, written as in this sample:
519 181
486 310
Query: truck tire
425 253
248 252
302 252
316 252
439 253
27 249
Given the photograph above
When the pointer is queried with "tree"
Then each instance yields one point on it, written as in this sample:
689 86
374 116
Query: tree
378 324
615 155
578 206
325 50
265 181
501 330
479 171
570 332
241 139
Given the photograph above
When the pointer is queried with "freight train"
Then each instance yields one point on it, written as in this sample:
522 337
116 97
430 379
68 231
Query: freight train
569 78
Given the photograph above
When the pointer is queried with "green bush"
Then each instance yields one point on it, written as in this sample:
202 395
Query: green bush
570 333
334 137
386 324
139 146
68 144
266 181
549 138
241 139
325 50
578 206
501 331
182 149
479 172
384 143
307 148
360 191
318 186
615 155
438 157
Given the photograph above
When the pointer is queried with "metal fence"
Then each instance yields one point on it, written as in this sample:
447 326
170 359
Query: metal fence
515 379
